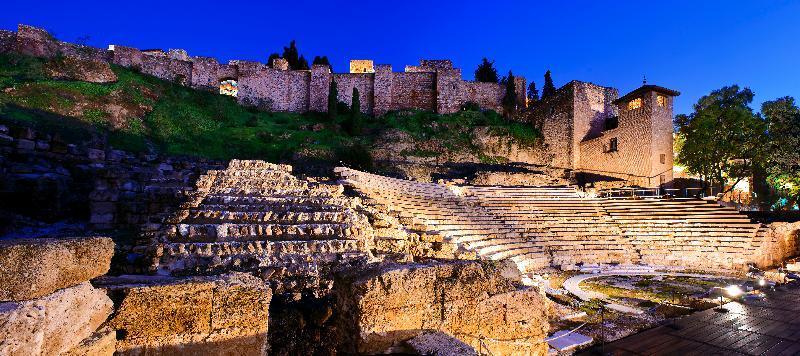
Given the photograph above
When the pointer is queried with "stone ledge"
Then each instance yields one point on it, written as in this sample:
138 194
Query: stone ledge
33 268
198 315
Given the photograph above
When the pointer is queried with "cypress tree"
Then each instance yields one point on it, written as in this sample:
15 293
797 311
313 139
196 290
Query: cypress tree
302 63
291 55
486 72
333 95
354 124
549 89
510 99
533 93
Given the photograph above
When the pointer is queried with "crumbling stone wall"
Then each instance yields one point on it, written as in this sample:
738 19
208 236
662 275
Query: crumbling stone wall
8 40
554 116
319 86
365 83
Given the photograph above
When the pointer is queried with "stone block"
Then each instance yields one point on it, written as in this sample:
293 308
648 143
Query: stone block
32 268
221 315
54 324
390 305
101 343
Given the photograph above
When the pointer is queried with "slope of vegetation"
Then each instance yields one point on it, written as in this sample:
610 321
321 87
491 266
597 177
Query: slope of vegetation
143 113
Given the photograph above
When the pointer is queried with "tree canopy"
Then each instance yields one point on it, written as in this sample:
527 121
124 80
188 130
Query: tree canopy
486 72
783 162
548 89
722 140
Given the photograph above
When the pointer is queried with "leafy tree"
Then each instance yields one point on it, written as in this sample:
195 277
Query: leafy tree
354 124
510 99
783 163
549 89
533 93
322 60
486 72
272 57
722 140
333 95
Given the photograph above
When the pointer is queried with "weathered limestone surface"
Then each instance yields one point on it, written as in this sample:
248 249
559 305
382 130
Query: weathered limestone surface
32 268
440 344
222 315
54 324
385 306
73 68
102 343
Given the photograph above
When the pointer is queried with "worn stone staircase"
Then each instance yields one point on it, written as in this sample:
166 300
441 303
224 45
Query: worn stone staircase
537 227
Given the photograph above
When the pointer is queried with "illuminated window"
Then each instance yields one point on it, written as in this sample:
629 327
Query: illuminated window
662 101
612 145
635 104
229 87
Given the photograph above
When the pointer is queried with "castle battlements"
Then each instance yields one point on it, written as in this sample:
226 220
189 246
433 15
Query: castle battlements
433 85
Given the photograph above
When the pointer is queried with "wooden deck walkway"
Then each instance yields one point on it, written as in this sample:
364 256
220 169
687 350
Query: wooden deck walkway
767 327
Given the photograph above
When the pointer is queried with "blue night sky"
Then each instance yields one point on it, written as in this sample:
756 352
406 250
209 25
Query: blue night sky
683 45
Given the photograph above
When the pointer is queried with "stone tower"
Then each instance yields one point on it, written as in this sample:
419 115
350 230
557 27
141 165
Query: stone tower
636 144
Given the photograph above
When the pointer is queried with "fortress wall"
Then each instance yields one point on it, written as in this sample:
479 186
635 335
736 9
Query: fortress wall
521 86
205 73
449 90
487 95
319 87
383 89
364 82
166 68
127 57
274 89
298 85
413 91
555 115
434 85
8 41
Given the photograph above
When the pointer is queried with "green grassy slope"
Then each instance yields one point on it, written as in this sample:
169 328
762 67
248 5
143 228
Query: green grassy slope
140 112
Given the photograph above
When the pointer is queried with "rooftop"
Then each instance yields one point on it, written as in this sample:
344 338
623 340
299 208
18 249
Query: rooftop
646 88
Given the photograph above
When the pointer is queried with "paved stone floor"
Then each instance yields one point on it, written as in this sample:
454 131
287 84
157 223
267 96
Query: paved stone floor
765 327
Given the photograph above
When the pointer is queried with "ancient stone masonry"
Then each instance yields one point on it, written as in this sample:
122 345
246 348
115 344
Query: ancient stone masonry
48 306
434 85
536 227
387 305
219 315
587 129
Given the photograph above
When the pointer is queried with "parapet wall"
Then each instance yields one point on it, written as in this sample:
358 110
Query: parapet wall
434 85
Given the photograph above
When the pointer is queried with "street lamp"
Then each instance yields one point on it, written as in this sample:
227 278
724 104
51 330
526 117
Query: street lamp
732 291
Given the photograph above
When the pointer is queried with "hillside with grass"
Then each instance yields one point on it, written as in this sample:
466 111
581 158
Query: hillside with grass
140 113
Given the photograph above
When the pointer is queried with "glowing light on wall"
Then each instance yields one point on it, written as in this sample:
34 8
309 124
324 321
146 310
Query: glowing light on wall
635 104
229 87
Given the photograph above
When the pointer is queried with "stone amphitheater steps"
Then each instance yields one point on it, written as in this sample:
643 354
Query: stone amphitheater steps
257 210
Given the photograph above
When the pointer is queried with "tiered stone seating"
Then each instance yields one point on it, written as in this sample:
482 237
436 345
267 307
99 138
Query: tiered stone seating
687 233
572 229
256 214
443 211
542 226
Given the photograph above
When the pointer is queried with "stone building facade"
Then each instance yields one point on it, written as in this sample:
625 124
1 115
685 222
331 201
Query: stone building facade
434 85
589 128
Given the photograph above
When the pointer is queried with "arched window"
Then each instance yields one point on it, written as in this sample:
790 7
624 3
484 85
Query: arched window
229 87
